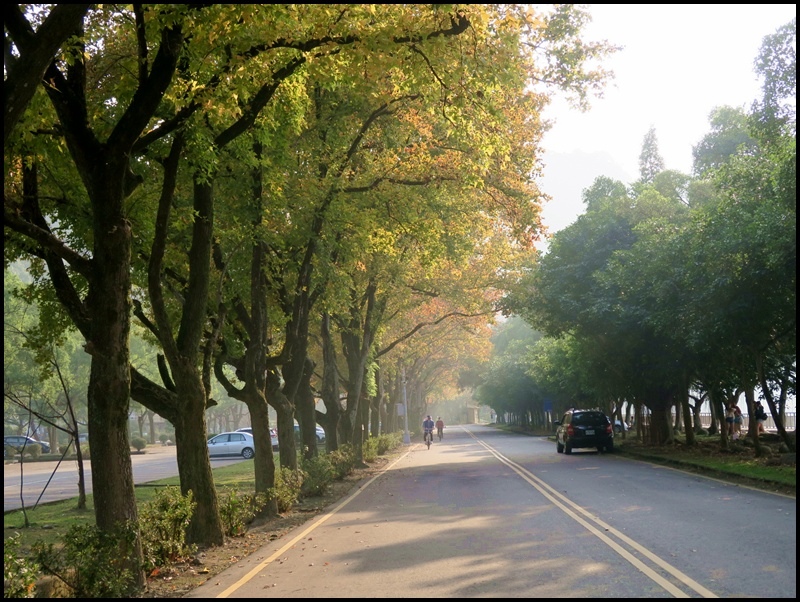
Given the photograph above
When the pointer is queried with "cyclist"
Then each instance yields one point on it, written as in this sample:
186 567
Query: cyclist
440 427
427 428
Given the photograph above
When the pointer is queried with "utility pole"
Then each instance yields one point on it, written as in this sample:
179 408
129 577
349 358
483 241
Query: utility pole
406 436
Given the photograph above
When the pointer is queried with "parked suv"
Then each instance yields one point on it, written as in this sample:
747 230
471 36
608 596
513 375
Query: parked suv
584 428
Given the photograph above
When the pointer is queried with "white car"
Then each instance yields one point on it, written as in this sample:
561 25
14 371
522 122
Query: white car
232 444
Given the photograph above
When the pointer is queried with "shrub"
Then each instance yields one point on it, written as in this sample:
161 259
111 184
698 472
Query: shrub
90 563
163 438
9 451
237 510
343 460
288 484
33 450
162 524
319 476
19 572
370 450
389 441
138 443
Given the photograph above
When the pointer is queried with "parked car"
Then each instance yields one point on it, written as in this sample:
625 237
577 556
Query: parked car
584 428
320 433
20 441
273 435
232 444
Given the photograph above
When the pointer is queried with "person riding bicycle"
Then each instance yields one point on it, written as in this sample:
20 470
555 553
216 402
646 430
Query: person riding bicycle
439 427
427 427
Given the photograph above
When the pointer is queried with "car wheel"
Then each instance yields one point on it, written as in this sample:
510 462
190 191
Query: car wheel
609 447
559 448
247 453
567 448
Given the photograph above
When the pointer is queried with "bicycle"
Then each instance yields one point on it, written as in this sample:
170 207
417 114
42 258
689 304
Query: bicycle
428 438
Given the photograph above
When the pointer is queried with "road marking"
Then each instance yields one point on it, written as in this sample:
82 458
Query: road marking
591 523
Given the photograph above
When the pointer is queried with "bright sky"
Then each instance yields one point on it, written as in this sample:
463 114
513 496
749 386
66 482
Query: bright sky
678 63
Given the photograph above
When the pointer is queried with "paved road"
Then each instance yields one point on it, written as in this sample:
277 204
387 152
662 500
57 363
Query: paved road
492 514
52 481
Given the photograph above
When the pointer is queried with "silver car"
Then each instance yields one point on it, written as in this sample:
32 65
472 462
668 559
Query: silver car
232 444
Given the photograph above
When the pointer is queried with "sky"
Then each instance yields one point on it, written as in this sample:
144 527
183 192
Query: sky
679 62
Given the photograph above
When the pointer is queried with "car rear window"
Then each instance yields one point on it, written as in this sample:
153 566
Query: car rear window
587 418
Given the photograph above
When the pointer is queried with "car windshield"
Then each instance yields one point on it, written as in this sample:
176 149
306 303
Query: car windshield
588 418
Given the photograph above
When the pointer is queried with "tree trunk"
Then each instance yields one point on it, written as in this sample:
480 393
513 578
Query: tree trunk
194 466
330 387
287 451
264 460
109 306
687 419
306 412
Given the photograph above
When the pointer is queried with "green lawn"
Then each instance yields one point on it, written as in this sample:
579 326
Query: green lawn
49 522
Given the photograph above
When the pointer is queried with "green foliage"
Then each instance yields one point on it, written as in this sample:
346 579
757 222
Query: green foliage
370 449
33 451
9 451
389 441
138 443
19 571
162 525
288 486
163 438
238 509
319 475
90 562
342 460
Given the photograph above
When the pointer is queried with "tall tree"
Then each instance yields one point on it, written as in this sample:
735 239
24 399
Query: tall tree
92 277
650 161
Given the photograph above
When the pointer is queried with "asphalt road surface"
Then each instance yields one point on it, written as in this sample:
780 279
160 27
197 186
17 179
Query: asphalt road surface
492 514
486 513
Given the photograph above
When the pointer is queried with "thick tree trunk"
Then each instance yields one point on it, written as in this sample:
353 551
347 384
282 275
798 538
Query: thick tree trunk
330 388
264 460
660 428
194 466
109 382
306 414
687 419
287 451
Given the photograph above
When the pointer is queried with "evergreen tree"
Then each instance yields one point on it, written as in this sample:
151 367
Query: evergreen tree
651 163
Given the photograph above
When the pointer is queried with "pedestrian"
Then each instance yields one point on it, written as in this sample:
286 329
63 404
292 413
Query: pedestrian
761 417
729 419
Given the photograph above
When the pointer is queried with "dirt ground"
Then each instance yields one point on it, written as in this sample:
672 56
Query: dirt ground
183 577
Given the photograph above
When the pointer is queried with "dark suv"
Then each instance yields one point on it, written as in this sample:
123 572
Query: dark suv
584 428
